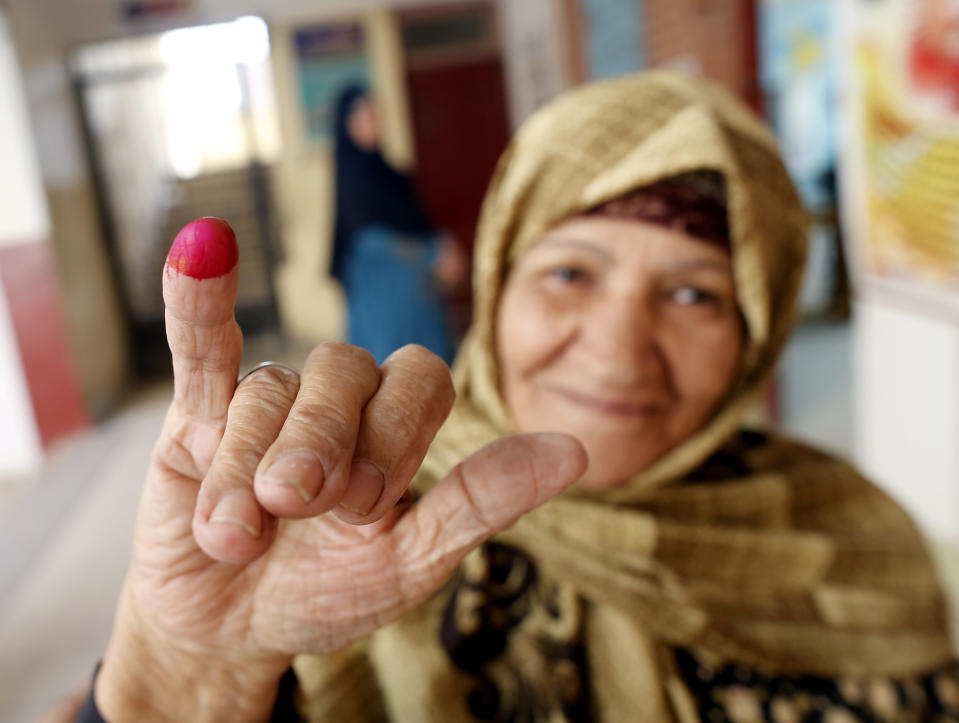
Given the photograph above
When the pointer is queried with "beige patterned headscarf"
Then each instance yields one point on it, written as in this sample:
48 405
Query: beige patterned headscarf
599 142
739 547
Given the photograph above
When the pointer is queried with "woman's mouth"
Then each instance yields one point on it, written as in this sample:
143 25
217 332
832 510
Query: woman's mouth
648 407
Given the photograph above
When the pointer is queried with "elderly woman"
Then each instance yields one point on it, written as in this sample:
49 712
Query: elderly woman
639 255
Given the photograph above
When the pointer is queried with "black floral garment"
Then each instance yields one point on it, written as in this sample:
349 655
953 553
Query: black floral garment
740 694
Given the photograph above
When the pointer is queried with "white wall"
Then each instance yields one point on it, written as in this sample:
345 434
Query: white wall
906 409
20 450
23 211
23 219
536 55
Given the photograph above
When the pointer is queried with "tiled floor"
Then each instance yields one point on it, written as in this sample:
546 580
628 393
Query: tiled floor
66 536
71 534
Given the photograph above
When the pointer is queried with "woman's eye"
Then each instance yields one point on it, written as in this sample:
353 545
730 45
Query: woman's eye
691 295
568 274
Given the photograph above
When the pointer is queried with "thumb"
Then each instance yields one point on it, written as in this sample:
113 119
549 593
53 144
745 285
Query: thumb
483 495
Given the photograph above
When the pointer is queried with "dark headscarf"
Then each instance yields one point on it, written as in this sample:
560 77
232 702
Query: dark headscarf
369 191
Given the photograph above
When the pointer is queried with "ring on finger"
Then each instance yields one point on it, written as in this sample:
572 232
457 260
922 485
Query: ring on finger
268 365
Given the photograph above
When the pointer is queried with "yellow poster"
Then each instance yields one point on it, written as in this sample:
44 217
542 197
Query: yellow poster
906 75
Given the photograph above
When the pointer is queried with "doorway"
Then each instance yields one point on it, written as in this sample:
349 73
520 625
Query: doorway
456 87
178 125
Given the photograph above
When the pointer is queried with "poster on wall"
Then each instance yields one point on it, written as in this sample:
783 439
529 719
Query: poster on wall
614 37
905 79
329 57
797 67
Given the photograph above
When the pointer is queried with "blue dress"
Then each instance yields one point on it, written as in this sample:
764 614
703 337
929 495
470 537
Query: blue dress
392 295
384 248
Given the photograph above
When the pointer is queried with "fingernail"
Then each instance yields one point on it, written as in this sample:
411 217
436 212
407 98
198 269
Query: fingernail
366 486
204 249
301 471
234 509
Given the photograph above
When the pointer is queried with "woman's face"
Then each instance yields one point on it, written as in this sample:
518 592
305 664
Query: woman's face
363 125
624 334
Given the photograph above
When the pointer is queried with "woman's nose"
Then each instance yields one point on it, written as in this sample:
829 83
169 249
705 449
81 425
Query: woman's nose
622 338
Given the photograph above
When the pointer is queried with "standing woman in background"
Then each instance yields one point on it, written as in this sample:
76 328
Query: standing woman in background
392 262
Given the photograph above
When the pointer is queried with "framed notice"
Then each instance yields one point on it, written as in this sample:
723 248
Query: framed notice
329 57
904 86
145 9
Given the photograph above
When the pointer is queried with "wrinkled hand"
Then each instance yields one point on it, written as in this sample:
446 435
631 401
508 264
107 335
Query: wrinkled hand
274 521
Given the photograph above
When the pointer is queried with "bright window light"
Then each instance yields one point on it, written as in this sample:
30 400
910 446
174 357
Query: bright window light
203 90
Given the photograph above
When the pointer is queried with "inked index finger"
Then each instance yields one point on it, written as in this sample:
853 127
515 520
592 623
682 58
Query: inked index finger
199 291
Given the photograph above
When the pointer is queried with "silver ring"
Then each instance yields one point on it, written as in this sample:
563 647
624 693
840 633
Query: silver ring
266 365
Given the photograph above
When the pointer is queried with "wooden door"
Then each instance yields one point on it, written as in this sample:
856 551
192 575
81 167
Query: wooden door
460 124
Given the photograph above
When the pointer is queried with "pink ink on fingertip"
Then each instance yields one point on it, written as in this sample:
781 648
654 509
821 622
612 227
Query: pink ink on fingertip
204 249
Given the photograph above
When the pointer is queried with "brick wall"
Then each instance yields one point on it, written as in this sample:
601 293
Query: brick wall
716 36
30 283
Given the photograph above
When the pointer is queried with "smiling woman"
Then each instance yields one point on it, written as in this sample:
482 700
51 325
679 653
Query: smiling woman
621 332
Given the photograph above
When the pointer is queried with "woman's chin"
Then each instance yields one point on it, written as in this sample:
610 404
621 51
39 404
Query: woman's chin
604 474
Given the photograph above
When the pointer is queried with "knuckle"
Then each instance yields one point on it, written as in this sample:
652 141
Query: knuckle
204 344
238 464
341 365
270 383
473 506
319 424
392 426
428 379
186 447
251 430
171 453
338 351
417 356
